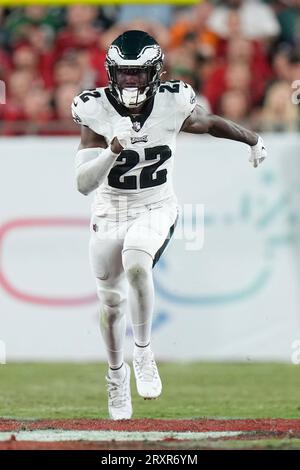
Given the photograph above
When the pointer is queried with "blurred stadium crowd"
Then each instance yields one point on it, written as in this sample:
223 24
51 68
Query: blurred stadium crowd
241 57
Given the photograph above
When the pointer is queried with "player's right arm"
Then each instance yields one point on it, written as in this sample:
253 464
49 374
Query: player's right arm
195 120
200 122
95 157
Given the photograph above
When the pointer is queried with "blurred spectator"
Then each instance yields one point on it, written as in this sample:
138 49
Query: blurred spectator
5 65
253 19
235 76
20 19
27 57
82 68
3 30
63 97
67 70
37 106
184 55
280 63
245 68
206 64
279 114
238 77
88 73
96 62
62 124
160 13
294 66
22 88
192 20
81 30
24 58
19 84
42 44
288 13
185 74
234 105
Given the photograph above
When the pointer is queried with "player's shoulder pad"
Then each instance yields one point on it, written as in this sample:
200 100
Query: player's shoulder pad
183 95
180 90
86 105
186 96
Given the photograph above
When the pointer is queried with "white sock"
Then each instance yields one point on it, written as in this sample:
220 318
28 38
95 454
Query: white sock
118 374
137 351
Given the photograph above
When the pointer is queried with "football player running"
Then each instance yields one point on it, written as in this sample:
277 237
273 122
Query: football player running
128 139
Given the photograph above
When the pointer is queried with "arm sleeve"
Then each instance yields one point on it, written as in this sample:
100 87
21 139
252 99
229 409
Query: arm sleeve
92 166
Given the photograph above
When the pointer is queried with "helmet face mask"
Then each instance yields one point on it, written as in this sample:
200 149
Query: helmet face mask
133 63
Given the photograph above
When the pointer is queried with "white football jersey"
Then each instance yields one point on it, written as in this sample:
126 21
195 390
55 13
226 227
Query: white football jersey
142 173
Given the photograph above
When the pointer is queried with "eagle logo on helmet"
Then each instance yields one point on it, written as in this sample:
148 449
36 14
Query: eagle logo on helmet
135 52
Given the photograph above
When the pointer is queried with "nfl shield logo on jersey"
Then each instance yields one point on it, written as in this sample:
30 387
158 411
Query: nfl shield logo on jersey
136 126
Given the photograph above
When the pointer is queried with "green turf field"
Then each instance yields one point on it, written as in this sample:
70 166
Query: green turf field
189 391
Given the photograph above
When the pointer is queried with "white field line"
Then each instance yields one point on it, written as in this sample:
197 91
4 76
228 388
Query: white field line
56 435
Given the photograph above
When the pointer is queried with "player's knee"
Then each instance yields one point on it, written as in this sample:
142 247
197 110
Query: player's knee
137 275
111 307
137 267
110 299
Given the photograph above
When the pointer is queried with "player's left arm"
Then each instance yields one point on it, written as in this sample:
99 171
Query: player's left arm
200 122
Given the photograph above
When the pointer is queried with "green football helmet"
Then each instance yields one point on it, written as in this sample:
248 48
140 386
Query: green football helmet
134 53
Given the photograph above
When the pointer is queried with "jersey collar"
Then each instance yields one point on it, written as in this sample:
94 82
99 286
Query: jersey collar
123 111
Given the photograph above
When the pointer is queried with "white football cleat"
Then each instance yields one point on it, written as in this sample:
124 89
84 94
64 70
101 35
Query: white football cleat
147 378
119 396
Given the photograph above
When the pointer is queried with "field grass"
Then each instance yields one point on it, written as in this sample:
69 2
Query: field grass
31 390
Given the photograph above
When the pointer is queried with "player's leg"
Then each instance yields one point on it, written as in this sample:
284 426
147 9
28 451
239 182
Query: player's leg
138 268
143 244
106 262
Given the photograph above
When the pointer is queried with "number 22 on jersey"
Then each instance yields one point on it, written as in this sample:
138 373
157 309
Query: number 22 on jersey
150 175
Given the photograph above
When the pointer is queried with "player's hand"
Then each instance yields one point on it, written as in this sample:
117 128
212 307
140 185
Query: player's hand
122 133
258 153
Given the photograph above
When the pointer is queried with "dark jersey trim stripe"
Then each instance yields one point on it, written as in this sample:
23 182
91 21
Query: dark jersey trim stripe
165 243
